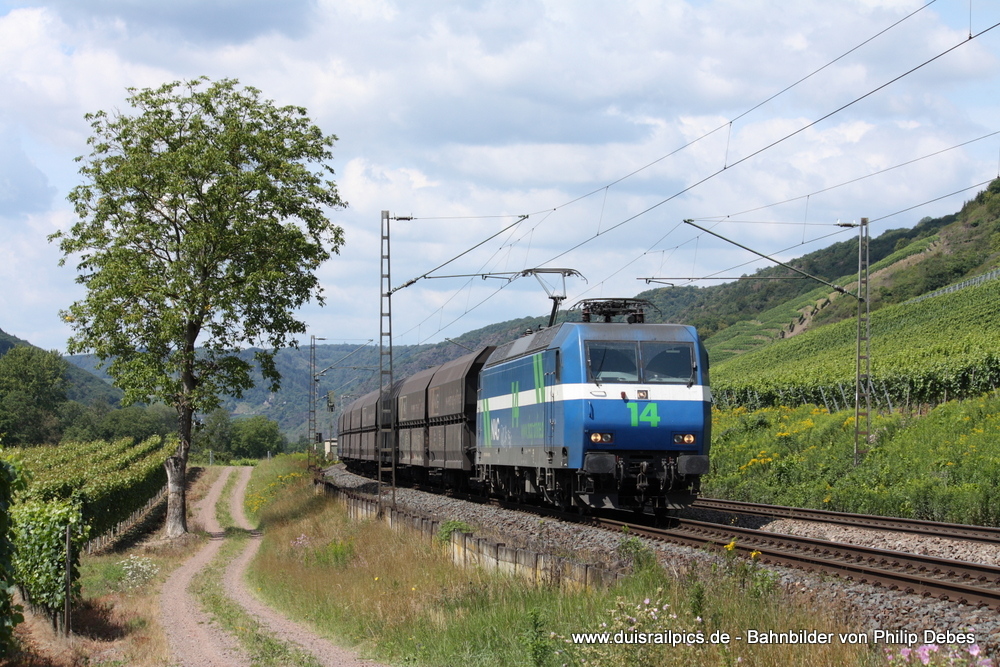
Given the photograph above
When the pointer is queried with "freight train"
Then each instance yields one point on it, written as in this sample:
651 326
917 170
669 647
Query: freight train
591 414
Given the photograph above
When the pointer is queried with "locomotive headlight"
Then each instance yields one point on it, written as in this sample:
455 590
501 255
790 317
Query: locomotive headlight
684 439
605 438
595 437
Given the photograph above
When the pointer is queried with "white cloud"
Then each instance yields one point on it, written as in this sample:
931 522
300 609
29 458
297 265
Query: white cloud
23 187
449 110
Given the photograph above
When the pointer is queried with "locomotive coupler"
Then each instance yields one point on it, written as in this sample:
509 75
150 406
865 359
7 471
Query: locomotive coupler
670 475
641 482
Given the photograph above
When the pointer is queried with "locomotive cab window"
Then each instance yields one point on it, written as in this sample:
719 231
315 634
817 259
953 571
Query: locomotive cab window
647 362
668 363
612 361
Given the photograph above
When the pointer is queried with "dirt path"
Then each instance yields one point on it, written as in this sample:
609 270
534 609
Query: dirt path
327 653
195 641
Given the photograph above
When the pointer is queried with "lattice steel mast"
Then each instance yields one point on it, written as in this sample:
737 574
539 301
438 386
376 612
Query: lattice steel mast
385 442
312 436
863 375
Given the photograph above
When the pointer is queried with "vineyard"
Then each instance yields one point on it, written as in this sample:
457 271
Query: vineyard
922 353
109 480
74 491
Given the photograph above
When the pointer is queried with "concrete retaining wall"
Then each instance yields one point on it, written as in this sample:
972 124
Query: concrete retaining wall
467 550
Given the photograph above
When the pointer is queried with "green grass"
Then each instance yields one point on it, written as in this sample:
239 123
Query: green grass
101 575
222 514
396 597
265 487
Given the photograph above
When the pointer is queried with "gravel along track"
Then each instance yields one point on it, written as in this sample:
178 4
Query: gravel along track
942 547
871 608
195 641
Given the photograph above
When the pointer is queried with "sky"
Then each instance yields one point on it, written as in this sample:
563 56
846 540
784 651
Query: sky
526 134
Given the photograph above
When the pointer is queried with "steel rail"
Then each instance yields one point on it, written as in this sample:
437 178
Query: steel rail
935 528
958 581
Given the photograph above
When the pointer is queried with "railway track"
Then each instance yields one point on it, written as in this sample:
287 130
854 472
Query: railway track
986 534
943 579
928 576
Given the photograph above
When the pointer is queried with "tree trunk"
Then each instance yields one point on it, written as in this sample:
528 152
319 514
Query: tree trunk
176 465
176 521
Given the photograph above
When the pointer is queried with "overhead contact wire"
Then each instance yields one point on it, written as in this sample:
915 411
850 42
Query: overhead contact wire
849 182
707 134
671 153
773 143
841 231
748 111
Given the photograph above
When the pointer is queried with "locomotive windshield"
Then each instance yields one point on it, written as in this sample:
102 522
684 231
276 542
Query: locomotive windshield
647 362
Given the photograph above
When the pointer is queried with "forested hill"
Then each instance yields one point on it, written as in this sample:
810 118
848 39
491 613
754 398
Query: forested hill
7 341
733 318
81 385
712 309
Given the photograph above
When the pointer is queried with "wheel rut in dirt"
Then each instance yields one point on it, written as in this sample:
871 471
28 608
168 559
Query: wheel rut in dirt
196 641
327 653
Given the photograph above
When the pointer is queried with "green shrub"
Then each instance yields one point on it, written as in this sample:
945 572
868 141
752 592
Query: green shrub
452 526
635 552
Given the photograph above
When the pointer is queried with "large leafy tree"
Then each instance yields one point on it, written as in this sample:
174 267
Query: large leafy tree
254 437
215 434
202 220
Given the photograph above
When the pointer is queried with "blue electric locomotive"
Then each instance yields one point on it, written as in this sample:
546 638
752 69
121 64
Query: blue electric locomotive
588 414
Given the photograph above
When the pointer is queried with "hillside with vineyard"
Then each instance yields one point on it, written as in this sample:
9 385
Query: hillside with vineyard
943 347
804 322
968 246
